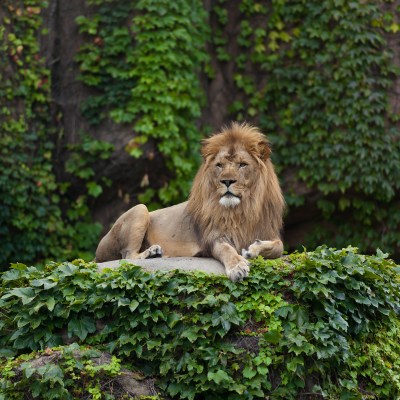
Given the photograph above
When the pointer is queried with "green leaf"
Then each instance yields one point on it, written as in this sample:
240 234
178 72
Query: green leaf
272 336
151 344
173 318
262 370
249 372
11 275
293 364
191 334
18 266
339 322
46 283
28 369
67 269
133 305
50 303
218 377
284 311
25 294
94 189
81 327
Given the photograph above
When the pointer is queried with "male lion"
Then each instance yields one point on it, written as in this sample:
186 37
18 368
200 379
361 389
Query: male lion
235 205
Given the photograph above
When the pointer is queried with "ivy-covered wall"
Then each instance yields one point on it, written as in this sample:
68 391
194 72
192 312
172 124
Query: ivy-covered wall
318 77
37 220
104 103
154 86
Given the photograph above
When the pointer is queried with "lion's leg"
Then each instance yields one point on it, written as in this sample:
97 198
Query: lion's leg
125 238
134 230
236 266
265 248
152 252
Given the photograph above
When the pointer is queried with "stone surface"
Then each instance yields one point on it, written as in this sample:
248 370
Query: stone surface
208 265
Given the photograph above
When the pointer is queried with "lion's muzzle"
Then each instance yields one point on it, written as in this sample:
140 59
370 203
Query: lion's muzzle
229 200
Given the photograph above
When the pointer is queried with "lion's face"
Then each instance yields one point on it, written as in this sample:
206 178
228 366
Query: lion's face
234 173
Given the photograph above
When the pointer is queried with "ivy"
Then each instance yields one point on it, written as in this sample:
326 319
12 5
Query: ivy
71 375
39 218
313 322
34 225
155 86
316 75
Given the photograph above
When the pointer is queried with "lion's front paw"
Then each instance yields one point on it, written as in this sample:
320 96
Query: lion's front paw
253 251
238 271
247 254
153 251
266 248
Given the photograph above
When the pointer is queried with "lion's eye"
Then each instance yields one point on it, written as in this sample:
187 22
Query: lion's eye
218 165
242 165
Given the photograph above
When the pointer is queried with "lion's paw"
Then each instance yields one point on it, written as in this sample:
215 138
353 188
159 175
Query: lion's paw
239 271
262 247
247 254
153 251
253 250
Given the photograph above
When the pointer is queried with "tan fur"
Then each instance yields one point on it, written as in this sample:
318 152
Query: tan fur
213 222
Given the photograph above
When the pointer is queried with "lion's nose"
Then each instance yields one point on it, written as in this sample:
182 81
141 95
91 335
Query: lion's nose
228 182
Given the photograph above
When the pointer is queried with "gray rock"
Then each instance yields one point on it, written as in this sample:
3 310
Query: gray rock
208 265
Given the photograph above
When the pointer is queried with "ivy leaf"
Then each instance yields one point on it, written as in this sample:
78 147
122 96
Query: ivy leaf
133 305
94 189
46 283
28 369
50 303
11 275
67 269
81 327
173 319
18 266
284 311
339 322
262 370
218 377
272 336
25 294
294 363
249 372
380 254
190 334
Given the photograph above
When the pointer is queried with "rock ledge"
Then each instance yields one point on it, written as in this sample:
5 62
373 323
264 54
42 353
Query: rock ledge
208 265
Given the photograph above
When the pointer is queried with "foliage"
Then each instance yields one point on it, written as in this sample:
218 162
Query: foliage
37 219
72 374
309 324
155 86
316 75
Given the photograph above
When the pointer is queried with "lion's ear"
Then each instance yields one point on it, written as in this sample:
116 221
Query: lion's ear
264 150
206 148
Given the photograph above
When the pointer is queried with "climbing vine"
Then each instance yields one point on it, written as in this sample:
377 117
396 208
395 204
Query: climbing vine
37 219
315 324
74 375
314 75
325 71
145 65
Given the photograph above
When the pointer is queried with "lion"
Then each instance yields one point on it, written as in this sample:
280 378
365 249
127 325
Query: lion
234 211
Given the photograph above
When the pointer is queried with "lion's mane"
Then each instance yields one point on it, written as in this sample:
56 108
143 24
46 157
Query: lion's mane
259 215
